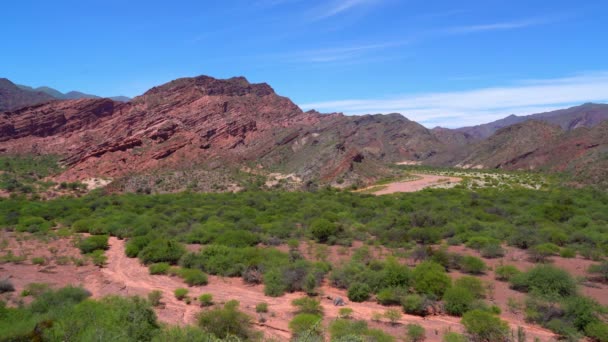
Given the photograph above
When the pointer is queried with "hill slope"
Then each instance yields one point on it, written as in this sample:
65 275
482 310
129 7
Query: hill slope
586 115
205 121
12 97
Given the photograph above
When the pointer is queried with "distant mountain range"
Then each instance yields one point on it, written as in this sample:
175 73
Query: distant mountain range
14 96
587 115
203 121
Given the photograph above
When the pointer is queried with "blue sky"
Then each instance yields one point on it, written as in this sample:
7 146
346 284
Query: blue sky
449 63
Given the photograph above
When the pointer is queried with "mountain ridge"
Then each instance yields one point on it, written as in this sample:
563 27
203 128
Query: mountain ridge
203 121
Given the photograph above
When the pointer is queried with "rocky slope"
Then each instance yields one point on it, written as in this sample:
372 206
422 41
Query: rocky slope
207 127
586 115
537 145
205 121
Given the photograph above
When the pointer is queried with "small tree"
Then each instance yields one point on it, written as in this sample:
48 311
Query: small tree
308 305
484 326
359 292
542 252
506 272
415 333
322 229
306 326
274 284
458 300
393 315
430 278
473 265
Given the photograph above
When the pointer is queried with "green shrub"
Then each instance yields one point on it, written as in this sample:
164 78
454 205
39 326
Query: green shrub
493 250
98 258
547 281
473 284
183 334
193 277
484 326
458 300
261 308
93 243
113 318
391 296
472 265
598 331
56 300
506 272
359 292
154 297
567 253
541 252
180 293
206 299
454 337
135 245
414 333
306 323
601 270
321 229
393 315
274 285
159 268
414 304
38 261
430 278
353 330
226 321
35 289
345 313
308 305
162 250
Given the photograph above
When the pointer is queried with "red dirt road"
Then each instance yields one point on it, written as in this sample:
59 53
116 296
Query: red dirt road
423 182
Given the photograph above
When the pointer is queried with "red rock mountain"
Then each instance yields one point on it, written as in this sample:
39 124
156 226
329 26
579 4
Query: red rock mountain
206 121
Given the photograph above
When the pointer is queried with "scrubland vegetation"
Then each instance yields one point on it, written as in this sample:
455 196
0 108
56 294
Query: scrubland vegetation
240 234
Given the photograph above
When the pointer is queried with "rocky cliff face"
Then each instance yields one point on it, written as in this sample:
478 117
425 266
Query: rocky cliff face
202 120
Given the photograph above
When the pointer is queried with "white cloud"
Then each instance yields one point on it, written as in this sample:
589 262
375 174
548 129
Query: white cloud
501 26
462 108
343 53
338 7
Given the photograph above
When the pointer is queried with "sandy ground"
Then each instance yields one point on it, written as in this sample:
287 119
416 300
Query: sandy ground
423 182
126 276
519 258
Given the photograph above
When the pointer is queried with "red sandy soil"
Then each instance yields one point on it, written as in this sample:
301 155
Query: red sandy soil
423 182
126 276
519 258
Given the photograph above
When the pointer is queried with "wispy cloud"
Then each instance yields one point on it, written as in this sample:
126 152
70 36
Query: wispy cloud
343 53
454 109
336 7
501 26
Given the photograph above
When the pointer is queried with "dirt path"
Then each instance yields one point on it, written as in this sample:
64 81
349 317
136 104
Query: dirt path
423 182
127 276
